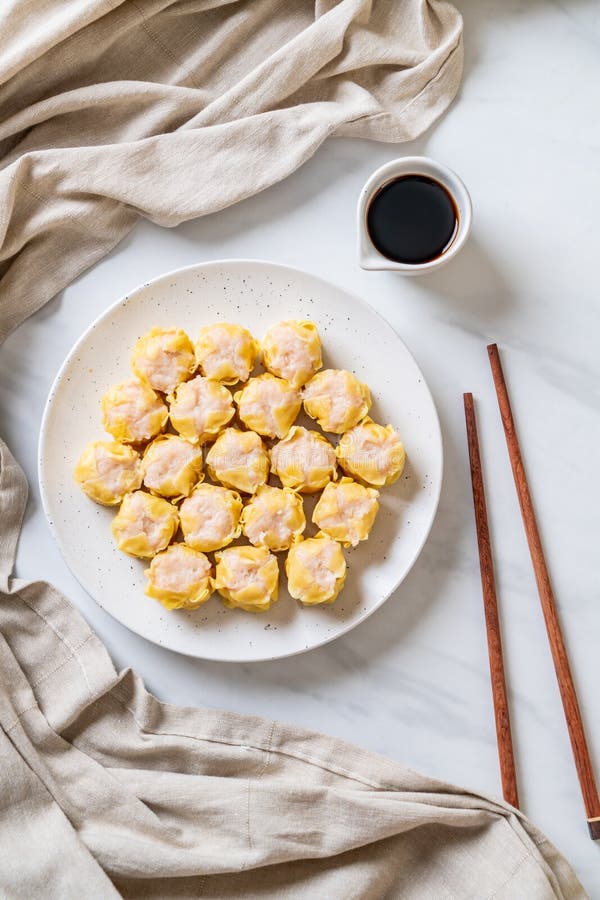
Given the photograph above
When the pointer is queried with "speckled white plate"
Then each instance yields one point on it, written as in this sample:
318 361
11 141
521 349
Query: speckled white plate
256 294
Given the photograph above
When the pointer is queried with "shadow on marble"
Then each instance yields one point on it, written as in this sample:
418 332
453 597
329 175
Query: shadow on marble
473 283
51 308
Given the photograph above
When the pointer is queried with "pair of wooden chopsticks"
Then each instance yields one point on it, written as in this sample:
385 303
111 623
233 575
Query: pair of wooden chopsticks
566 685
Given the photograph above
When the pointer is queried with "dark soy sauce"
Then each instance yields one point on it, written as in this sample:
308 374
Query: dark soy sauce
412 219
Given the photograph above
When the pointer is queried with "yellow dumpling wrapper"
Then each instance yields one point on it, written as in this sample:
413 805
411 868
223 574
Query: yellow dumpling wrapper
200 408
346 511
336 399
133 413
210 517
163 358
304 460
239 460
172 466
268 405
107 470
180 578
316 570
273 518
372 453
292 350
247 578
144 525
226 352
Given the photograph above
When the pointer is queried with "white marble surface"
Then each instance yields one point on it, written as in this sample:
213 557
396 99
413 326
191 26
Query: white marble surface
412 682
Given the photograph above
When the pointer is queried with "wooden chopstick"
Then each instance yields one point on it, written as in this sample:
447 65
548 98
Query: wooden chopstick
566 685
508 773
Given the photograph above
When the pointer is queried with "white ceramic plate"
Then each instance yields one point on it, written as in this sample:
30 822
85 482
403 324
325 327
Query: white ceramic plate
256 294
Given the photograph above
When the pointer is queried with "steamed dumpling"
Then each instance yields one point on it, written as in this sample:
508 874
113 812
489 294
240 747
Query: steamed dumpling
239 460
346 511
171 466
145 524
133 413
210 517
107 470
336 399
179 577
316 570
200 408
247 578
371 453
292 350
273 518
226 352
163 358
268 405
304 460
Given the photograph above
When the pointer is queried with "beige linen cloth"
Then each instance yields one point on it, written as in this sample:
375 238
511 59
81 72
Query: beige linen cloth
112 109
106 792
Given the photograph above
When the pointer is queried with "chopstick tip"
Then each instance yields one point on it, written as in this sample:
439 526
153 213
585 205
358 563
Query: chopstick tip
594 827
469 407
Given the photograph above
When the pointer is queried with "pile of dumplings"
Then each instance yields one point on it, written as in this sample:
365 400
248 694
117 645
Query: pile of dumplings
177 422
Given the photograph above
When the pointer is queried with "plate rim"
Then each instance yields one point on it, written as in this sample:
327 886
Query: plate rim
211 264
